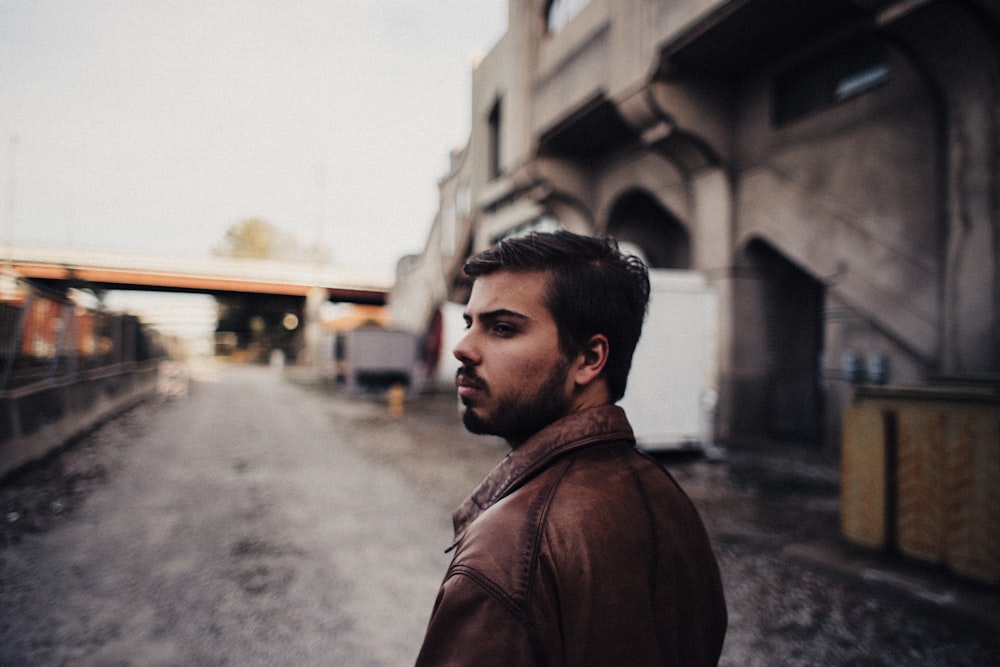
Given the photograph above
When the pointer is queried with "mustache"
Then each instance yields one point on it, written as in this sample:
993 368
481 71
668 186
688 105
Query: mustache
468 377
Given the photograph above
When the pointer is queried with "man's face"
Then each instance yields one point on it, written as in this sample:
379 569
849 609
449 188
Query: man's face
514 378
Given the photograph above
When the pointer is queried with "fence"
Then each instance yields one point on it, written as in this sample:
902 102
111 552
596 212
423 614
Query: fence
919 475
64 367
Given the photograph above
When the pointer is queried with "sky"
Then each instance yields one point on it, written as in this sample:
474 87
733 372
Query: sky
153 126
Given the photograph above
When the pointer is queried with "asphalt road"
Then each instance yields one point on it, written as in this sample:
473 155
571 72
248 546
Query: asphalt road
262 521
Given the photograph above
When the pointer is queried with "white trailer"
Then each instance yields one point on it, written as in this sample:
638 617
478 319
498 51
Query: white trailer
374 359
670 398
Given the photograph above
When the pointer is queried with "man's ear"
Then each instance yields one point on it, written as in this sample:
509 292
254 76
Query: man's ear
591 360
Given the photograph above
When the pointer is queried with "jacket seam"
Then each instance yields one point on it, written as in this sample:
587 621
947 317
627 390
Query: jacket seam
491 587
540 519
508 602
647 506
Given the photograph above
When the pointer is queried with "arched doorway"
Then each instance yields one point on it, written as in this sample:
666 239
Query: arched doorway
780 323
638 219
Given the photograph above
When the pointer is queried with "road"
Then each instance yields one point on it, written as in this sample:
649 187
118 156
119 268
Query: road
261 521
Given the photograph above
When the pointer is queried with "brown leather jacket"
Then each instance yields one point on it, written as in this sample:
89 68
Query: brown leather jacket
578 550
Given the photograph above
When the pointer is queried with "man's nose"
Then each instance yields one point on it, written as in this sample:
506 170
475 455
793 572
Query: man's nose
465 351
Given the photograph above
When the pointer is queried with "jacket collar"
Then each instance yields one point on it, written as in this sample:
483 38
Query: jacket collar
580 429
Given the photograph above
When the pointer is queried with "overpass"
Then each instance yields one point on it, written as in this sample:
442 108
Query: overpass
255 296
218 276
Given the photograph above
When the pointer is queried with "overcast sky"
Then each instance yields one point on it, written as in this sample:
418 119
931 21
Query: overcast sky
153 126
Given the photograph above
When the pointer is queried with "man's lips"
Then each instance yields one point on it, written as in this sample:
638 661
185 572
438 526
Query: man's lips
468 385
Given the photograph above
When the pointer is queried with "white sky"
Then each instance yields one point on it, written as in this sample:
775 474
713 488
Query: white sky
153 126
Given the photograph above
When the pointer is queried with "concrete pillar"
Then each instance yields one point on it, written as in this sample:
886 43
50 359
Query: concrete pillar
712 253
312 326
972 264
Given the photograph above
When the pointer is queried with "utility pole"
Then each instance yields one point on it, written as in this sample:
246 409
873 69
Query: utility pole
11 199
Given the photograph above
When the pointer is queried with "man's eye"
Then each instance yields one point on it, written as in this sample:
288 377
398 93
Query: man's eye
503 329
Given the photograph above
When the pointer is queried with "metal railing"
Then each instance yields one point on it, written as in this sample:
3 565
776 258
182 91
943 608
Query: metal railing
64 368
45 335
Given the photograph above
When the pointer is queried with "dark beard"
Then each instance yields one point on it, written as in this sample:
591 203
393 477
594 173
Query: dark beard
516 421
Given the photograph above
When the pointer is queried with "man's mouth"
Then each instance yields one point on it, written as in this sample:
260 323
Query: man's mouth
468 384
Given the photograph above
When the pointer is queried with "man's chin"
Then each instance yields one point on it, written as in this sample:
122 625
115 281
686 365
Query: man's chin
478 425
473 422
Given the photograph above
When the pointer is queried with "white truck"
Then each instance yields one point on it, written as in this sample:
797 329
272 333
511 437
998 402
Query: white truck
671 393
373 359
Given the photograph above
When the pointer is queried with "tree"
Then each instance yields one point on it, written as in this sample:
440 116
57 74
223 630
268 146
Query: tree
256 238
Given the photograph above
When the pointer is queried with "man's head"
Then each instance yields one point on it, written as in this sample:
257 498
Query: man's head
560 315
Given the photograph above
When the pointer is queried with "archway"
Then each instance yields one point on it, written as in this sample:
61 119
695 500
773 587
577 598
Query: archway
638 219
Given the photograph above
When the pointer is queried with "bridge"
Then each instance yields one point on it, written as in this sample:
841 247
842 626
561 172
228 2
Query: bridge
218 276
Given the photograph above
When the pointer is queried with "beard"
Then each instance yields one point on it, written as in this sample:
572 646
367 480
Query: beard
518 417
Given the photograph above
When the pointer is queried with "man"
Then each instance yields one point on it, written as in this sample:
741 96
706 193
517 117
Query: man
577 549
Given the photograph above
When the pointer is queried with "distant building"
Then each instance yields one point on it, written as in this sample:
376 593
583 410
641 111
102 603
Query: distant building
830 166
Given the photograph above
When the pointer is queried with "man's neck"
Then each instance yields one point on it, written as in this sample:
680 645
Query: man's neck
593 395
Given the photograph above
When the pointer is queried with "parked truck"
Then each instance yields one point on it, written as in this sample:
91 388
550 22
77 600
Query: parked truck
671 393
373 359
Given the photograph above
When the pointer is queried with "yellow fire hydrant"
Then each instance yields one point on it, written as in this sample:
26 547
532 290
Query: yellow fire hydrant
397 400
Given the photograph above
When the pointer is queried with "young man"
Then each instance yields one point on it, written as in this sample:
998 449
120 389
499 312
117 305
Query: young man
577 549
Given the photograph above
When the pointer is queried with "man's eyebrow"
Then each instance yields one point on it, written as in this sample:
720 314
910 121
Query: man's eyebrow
498 314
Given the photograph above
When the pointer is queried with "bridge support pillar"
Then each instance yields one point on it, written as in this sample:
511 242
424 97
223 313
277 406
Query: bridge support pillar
312 325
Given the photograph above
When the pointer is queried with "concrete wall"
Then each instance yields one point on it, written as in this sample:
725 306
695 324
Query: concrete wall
38 419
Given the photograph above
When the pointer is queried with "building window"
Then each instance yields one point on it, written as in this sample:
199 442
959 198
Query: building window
833 77
494 140
561 12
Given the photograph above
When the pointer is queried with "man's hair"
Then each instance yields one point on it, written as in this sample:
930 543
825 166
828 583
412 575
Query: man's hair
593 289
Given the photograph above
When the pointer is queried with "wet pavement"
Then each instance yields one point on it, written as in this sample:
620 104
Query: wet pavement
264 520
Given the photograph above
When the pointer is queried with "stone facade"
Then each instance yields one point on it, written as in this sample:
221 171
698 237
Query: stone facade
832 167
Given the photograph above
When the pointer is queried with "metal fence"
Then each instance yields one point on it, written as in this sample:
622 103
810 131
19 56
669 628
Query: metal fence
46 335
64 368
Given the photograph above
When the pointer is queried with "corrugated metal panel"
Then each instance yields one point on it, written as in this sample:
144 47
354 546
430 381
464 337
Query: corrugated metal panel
931 485
920 481
972 479
863 476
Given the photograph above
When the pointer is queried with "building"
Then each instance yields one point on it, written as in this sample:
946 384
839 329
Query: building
832 167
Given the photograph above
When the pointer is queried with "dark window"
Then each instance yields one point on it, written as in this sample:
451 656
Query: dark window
494 145
829 79
561 12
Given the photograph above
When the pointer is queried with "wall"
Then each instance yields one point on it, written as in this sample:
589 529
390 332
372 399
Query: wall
65 367
42 417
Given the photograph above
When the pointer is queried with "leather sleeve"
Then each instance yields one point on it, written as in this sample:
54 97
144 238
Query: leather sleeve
474 624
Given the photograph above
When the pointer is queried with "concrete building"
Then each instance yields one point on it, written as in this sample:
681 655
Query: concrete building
832 167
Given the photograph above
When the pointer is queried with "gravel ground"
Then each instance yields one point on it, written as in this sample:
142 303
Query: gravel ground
46 494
